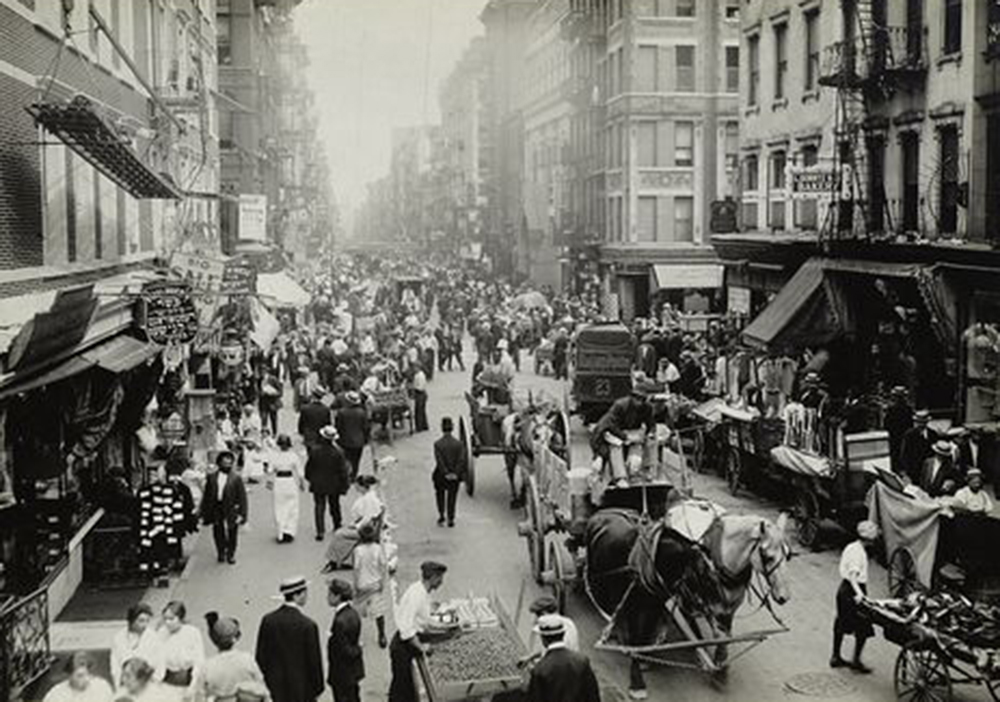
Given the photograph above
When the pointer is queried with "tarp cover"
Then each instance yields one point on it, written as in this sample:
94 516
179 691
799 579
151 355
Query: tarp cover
281 290
908 522
802 463
792 304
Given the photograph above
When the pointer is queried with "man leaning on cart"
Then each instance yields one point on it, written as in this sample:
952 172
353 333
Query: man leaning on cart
412 616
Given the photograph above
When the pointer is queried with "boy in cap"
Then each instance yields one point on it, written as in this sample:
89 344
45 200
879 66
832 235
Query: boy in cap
562 675
851 620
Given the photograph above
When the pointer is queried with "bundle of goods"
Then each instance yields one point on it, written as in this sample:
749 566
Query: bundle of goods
486 653
976 624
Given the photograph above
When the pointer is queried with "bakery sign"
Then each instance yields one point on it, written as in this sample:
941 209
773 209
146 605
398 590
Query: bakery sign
168 312
811 182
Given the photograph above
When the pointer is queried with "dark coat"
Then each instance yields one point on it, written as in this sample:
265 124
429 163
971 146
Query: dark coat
563 676
344 654
233 506
289 655
353 426
935 487
626 414
327 470
449 459
914 449
313 416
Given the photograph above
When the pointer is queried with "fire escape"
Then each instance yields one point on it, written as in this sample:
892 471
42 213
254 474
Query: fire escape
867 68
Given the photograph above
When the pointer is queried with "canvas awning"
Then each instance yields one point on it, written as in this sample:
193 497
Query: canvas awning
679 276
79 126
797 294
116 355
280 290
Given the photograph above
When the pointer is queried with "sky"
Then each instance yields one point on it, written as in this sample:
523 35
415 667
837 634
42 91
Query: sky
375 65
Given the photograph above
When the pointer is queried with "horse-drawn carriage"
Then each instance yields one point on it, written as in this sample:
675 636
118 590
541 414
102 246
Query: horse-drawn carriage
600 368
650 561
390 406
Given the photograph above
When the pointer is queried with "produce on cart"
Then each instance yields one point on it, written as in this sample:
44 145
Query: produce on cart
479 655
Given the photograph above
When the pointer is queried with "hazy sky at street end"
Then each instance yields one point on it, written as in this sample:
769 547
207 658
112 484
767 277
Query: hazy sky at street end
371 71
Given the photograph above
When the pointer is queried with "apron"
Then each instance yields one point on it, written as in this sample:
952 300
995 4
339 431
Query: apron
286 503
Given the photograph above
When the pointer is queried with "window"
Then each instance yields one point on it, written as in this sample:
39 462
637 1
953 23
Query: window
805 210
948 218
646 219
732 69
684 8
684 144
993 176
952 26
778 161
876 184
685 69
732 9
780 60
751 179
645 146
812 49
70 167
645 70
910 144
753 84
776 205
683 219
732 145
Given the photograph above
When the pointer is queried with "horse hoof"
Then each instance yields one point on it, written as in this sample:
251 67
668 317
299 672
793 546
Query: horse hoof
638 694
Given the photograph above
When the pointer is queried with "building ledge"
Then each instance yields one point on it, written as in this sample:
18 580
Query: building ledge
48 273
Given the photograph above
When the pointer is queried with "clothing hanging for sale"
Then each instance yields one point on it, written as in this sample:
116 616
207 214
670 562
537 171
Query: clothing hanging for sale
161 527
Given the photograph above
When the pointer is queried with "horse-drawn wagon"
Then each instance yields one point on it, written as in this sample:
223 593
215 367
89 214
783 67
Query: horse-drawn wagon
650 562
601 368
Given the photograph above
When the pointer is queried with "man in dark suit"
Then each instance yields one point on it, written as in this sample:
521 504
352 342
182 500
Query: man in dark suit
288 648
915 448
328 475
354 427
313 416
562 675
344 654
938 475
224 506
449 471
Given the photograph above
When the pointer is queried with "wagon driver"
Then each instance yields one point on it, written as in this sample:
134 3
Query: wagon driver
626 414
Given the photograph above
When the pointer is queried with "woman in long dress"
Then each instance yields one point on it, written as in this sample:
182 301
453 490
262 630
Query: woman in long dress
286 484
367 509
183 652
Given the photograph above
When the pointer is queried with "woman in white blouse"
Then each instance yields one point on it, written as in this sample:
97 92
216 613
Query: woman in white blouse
183 652
81 685
137 640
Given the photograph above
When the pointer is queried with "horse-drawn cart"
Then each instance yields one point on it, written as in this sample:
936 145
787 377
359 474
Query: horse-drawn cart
650 562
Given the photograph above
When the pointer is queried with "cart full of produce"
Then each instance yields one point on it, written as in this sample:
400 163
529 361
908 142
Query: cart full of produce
476 654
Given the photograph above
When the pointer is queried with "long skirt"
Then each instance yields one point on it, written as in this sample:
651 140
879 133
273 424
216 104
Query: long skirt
286 505
342 545
372 603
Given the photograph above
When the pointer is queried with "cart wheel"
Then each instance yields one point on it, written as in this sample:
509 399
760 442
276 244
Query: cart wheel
734 469
559 584
922 674
806 513
536 534
470 459
993 685
902 574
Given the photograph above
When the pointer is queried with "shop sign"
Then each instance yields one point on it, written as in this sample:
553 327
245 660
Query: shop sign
724 217
202 272
239 277
169 315
738 300
253 217
810 182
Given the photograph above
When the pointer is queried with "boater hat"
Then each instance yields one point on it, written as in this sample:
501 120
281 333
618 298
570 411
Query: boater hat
550 625
294 585
942 448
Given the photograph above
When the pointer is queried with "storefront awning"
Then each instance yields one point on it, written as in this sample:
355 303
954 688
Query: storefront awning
116 355
678 276
280 290
765 329
79 126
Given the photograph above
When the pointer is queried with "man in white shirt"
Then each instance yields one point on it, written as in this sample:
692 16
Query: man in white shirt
412 616
547 606
419 399
972 497
853 589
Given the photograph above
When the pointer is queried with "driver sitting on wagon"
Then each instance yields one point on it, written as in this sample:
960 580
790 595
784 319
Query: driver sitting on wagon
626 414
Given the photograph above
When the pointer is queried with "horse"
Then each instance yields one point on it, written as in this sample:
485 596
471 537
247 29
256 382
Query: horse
634 566
534 424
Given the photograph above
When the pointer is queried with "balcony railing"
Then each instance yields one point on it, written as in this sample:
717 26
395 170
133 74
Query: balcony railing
886 53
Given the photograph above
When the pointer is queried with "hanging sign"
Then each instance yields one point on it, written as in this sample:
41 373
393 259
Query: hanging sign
253 217
169 315
724 218
204 273
239 277
809 182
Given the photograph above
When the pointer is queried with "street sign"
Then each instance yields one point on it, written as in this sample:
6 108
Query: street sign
253 217
239 277
168 312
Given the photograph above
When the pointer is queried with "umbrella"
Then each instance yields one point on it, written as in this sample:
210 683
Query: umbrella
529 300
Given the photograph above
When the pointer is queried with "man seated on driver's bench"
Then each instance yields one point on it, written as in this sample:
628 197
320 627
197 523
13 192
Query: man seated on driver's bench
626 414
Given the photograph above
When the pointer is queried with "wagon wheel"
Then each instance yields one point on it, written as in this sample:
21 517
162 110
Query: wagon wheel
902 574
807 517
559 584
470 459
922 675
993 685
734 469
535 535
